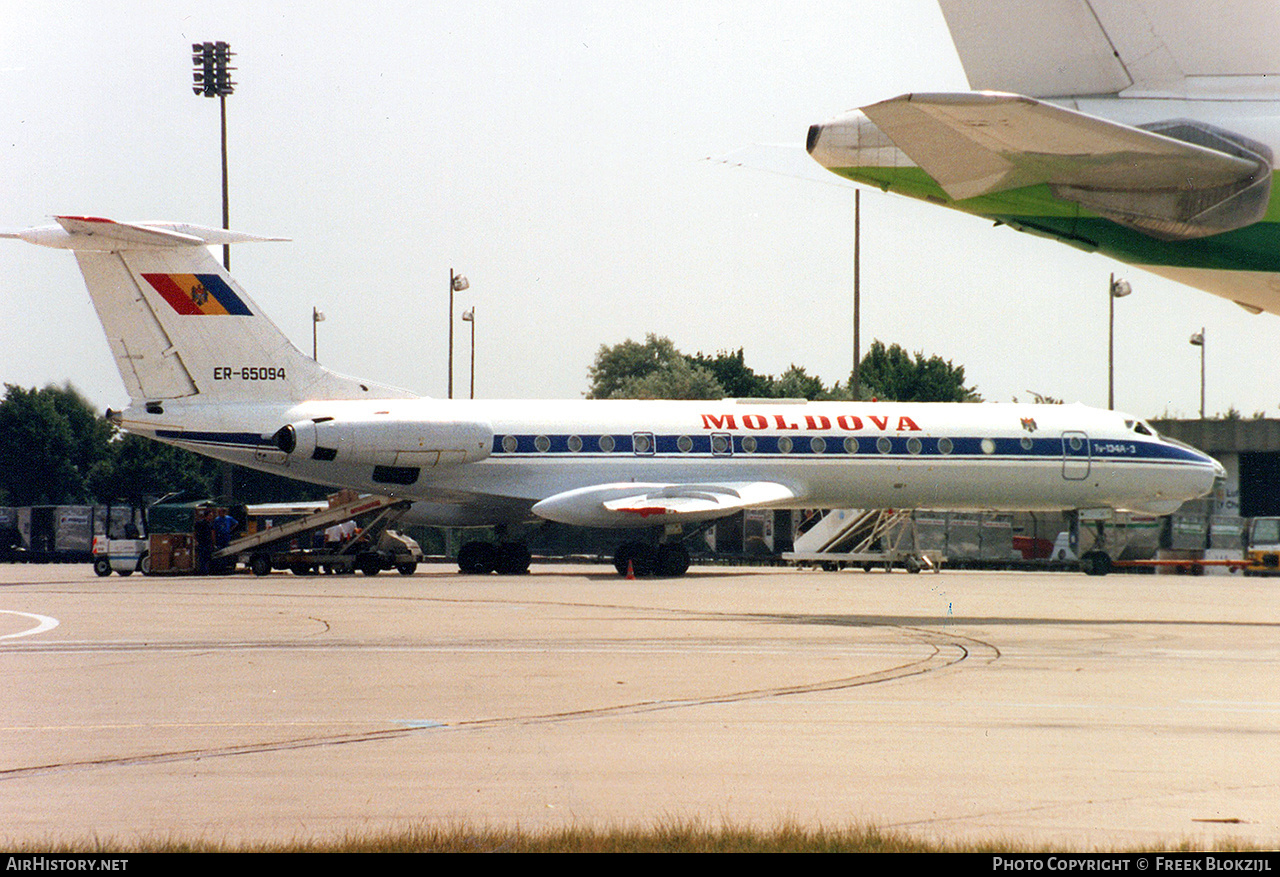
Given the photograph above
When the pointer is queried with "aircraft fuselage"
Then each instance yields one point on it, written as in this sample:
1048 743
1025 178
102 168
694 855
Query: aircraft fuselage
474 460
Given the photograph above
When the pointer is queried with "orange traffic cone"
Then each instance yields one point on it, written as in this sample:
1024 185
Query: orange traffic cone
631 572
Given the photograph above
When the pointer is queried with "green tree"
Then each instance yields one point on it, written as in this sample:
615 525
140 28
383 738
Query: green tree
657 370
50 440
653 370
893 374
733 374
674 380
139 469
796 383
629 360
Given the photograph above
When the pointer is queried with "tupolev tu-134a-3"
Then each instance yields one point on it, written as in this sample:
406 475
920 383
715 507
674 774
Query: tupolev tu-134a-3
206 370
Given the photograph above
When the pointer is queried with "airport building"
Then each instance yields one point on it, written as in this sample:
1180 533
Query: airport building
1250 452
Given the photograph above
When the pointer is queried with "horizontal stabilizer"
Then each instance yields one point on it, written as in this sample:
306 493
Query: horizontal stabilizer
107 235
979 143
628 504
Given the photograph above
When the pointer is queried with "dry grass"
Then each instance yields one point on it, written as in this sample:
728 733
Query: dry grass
673 837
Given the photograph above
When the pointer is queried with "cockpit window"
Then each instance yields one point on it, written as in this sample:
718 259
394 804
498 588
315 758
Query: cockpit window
1141 428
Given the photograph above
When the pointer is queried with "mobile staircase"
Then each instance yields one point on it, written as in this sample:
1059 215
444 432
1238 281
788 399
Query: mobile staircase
865 537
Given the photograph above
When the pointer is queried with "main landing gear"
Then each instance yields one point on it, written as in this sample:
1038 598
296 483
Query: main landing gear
667 560
504 558
1097 562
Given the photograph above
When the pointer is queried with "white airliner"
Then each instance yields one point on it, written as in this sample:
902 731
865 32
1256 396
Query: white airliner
206 370
1146 130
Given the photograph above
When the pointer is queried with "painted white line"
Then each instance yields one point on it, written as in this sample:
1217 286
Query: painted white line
43 623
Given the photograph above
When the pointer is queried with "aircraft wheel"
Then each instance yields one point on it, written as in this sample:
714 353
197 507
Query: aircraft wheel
477 558
672 560
621 556
513 559
102 566
1095 563
260 564
638 555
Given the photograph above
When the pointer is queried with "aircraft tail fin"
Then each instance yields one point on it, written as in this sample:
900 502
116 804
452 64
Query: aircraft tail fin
180 326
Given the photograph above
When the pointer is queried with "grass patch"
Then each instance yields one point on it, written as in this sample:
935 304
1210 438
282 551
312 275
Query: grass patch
673 837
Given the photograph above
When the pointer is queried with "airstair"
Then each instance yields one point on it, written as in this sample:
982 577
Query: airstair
866 537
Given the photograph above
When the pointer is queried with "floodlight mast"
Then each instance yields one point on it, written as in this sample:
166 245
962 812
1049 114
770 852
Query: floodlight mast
212 78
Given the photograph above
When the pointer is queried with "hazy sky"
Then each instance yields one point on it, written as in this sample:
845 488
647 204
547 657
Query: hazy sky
556 154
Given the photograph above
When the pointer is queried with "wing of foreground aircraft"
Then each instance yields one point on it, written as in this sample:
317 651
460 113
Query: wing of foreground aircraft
208 371
1142 129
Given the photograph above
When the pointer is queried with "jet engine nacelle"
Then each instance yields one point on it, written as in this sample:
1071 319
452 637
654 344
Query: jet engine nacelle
383 442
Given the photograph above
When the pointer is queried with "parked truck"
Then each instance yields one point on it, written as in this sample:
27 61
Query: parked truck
1263 547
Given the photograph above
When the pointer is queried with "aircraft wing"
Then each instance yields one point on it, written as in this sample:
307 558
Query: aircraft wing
631 504
976 143
1048 48
1173 180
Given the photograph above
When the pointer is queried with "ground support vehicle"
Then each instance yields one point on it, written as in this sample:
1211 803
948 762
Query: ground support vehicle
867 538
300 546
1263 552
123 556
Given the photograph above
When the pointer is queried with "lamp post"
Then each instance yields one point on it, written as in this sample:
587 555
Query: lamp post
212 78
470 317
316 317
457 283
855 379
1197 340
1116 289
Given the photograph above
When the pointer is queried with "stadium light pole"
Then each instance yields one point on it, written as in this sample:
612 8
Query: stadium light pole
855 379
1117 289
317 316
457 283
470 317
212 78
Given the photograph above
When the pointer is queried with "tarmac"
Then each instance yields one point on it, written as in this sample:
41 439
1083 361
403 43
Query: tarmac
1051 709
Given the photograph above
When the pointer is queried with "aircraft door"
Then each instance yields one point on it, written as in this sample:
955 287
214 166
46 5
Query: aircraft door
1075 456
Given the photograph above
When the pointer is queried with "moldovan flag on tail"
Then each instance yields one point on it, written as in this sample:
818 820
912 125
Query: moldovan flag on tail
198 294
